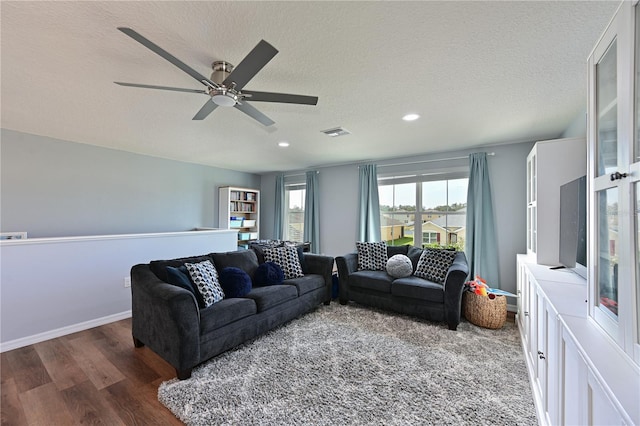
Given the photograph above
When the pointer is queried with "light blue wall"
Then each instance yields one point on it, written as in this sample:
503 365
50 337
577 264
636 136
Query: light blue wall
339 192
578 127
56 188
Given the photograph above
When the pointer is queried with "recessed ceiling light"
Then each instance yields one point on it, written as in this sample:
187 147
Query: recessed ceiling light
410 117
283 144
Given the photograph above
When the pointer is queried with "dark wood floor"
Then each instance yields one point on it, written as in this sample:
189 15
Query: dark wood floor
91 377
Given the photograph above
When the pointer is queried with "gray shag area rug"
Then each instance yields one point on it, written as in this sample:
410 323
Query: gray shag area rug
355 365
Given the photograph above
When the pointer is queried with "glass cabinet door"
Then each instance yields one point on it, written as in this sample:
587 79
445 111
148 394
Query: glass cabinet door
607 249
614 171
607 111
636 159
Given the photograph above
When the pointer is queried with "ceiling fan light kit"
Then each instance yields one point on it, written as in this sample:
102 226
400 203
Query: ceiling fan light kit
226 83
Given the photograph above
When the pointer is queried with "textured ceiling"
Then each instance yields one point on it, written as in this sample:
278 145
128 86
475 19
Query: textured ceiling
477 72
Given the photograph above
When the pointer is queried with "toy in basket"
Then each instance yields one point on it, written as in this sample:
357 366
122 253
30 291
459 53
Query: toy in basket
484 306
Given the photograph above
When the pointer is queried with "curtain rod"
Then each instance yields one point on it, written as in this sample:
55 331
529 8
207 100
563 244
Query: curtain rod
301 174
490 154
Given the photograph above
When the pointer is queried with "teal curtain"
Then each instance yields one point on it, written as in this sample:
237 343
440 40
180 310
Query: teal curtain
369 204
278 225
311 212
481 245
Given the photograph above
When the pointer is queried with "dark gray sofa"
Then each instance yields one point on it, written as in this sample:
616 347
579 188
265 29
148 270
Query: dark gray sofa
166 318
411 295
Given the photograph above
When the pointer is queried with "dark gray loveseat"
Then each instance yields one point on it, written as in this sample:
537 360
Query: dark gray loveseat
411 295
166 318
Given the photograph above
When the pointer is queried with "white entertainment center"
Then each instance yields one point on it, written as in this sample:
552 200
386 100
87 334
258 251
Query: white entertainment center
581 337
578 374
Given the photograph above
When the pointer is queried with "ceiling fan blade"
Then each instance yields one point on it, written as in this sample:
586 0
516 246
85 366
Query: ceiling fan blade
166 55
206 109
254 113
280 97
148 86
250 65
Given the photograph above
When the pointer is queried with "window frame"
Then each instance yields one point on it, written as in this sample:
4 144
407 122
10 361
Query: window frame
397 178
288 187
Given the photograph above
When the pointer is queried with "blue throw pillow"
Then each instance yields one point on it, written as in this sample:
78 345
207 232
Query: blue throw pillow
235 282
180 277
268 273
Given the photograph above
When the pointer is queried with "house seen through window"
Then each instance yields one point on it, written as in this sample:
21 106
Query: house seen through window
294 214
424 213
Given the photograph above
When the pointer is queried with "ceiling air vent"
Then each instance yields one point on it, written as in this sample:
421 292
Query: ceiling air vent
335 132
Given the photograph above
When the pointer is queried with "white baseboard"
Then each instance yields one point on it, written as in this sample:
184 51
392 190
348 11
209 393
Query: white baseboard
52 334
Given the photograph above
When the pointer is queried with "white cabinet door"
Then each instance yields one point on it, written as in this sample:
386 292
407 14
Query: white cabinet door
573 386
601 410
539 354
554 364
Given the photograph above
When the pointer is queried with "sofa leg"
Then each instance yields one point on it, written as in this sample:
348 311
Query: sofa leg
183 374
453 327
137 343
343 302
327 302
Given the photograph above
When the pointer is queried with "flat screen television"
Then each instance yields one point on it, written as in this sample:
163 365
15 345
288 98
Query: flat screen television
573 225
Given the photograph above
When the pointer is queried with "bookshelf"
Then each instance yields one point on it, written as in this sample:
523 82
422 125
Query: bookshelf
239 208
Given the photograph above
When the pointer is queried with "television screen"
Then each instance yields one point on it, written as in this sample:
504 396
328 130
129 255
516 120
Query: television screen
573 225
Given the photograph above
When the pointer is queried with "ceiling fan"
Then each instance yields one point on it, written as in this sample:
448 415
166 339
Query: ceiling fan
226 82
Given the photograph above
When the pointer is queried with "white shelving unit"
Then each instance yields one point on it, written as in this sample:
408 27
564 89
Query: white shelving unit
550 164
239 208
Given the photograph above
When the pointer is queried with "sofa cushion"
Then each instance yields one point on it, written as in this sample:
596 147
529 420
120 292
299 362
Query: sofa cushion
180 277
243 259
418 288
307 284
393 250
225 312
205 277
434 264
287 259
372 256
235 282
268 273
159 267
268 297
414 254
371 280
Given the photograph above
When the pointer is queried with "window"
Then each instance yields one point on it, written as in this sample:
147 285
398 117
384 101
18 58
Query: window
430 238
294 212
431 207
397 213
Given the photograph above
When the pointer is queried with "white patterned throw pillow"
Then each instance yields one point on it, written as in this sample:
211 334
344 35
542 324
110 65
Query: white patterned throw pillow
434 264
372 256
287 258
205 277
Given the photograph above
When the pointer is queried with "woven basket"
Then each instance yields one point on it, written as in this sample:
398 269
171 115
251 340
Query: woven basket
483 311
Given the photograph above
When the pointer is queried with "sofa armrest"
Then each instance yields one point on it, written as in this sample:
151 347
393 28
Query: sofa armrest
453 288
321 265
347 265
165 317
